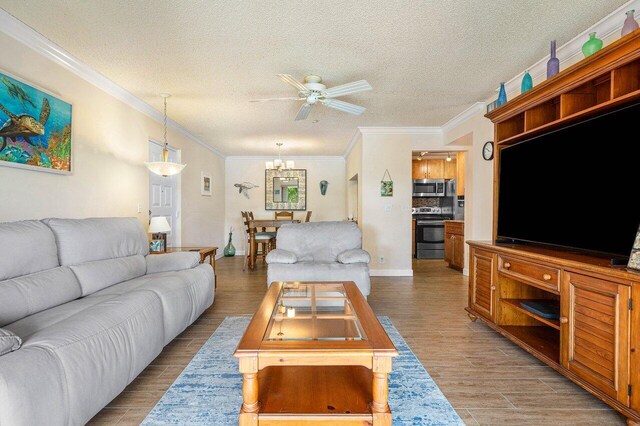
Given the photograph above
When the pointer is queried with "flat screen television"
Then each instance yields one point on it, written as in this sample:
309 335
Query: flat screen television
574 188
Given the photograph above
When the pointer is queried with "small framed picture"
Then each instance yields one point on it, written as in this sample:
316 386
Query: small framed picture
634 258
205 184
156 246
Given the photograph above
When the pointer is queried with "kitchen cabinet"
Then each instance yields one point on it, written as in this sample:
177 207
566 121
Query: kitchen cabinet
450 169
418 169
460 165
454 243
435 169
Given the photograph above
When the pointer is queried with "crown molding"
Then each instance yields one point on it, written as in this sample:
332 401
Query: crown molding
26 35
352 143
286 157
464 116
426 130
605 27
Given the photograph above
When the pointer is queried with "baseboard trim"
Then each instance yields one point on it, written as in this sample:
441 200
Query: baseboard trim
391 272
465 272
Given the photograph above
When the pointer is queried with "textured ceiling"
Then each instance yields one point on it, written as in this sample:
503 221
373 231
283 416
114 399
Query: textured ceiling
426 60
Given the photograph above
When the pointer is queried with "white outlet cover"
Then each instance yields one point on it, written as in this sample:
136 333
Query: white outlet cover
388 207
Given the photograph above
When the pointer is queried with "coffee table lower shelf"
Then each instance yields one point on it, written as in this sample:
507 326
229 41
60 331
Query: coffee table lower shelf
304 395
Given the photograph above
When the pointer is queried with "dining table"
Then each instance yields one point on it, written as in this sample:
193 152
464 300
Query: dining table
254 224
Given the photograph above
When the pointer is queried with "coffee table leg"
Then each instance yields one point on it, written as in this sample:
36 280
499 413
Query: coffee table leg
249 412
380 404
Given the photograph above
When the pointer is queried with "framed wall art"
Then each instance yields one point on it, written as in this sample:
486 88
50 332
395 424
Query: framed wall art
205 184
35 127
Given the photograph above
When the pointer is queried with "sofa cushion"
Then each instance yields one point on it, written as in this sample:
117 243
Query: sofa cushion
354 256
184 295
99 274
30 294
33 389
110 343
9 342
172 261
319 241
314 271
86 240
281 256
26 247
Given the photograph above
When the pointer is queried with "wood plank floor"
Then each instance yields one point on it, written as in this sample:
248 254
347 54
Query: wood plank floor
487 379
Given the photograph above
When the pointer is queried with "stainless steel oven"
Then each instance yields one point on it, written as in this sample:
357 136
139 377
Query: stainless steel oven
429 188
430 233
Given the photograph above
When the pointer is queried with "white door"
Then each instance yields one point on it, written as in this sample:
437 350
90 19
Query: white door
164 194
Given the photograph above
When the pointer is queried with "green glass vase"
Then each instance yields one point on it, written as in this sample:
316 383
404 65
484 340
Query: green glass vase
591 46
527 82
230 250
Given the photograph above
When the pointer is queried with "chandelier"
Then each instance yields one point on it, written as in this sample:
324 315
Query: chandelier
278 164
165 167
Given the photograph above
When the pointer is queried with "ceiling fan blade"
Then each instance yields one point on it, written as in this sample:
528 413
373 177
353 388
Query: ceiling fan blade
292 81
347 89
344 106
278 99
303 112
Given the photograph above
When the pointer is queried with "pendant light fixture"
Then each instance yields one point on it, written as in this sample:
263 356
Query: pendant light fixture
278 164
165 167
449 159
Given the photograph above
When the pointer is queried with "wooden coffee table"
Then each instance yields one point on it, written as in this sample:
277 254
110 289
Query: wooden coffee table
315 354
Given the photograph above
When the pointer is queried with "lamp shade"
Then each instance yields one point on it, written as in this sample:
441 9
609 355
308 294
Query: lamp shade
159 224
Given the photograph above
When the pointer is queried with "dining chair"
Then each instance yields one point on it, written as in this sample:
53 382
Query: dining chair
308 217
284 215
264 240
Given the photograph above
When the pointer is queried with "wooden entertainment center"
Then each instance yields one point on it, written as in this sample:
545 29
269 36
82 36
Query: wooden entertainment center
596 340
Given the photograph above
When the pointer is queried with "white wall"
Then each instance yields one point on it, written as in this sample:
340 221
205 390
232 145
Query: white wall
332 206
110 144
386 221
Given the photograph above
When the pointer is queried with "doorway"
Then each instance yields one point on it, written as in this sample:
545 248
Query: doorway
164 194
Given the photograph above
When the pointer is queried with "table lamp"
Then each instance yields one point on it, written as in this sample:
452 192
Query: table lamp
158 229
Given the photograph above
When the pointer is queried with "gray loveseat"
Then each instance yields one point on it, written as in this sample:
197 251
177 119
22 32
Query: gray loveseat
320 251
92 308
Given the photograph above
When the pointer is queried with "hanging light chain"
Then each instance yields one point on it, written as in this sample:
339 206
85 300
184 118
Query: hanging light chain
165 122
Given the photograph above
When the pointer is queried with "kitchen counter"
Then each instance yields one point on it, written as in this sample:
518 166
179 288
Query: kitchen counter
454 221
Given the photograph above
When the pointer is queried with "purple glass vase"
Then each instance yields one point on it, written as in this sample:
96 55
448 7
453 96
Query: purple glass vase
630 24
553 64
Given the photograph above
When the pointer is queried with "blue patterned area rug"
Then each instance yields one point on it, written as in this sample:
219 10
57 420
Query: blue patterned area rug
209 390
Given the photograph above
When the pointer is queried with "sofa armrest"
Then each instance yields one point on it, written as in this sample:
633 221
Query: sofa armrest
281 256
176 261
354 256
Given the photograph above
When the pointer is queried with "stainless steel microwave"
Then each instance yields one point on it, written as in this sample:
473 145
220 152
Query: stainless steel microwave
429 188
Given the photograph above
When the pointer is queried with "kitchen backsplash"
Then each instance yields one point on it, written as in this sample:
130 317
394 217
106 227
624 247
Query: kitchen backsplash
426 201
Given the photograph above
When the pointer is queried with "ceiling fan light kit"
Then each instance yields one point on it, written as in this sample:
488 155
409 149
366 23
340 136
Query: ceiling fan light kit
313 91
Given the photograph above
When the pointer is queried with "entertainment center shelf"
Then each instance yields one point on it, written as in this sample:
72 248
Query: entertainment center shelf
577 313
606 80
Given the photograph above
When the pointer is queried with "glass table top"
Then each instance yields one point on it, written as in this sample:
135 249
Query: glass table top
313 312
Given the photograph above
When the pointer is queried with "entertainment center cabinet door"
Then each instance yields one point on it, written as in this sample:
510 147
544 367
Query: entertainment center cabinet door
595 329
481 283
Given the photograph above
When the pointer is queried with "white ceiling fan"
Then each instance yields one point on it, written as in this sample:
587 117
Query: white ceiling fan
312 91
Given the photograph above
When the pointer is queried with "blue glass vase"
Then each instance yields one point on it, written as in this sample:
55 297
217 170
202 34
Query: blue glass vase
502 95
527 82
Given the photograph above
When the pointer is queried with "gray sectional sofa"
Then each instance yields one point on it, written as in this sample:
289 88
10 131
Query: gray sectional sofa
92 309
320 251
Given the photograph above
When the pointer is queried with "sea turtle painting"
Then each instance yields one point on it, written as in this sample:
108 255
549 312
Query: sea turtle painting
35 127
17 92
24 126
